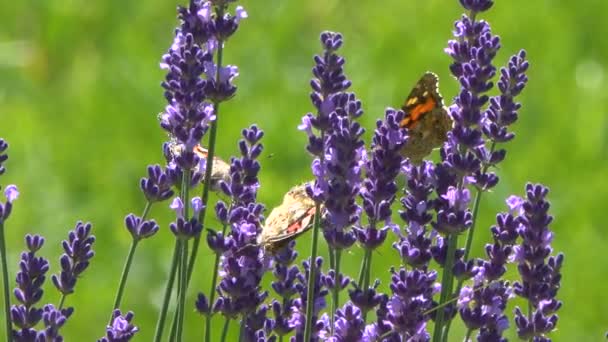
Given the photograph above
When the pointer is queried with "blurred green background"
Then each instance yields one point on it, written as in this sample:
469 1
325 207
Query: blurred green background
79 96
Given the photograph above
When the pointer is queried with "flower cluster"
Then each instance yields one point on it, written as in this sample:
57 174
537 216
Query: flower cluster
121 329
28 292
353 194
540 271
30 278
241 263
285 286
78 251
379 186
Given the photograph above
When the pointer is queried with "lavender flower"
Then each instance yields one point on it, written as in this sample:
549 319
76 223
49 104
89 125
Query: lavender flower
157 187
465 156
11 193
140 229
540 272
121 329
75 260
286 277
184 228
379 187
29 291
349 324
241 265
482 306
412 298
53 319
327 96
415 246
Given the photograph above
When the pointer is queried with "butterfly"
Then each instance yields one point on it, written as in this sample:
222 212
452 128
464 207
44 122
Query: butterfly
293 217
426 119
220 171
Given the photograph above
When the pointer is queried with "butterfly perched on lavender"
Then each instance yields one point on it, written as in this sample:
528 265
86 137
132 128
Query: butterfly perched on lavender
426 119
293 217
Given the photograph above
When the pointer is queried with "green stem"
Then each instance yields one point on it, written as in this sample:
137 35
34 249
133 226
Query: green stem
467 338
212 291
125 274
469 243
362 269
366 275
173 331
335 302
446 285
225 330
182 290
210 152
242 330
311 275
7 308
128 262
62 302
160 325
177 326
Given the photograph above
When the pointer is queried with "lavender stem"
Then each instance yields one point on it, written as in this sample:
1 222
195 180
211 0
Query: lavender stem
469 242
311 275
335 303
167 297
9 336
212 291
365 276
182 290
127 266
225 330
446 285
210 152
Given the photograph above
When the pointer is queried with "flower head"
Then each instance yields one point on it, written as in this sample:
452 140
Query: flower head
540 271
121 328
30 278
78 253
241 266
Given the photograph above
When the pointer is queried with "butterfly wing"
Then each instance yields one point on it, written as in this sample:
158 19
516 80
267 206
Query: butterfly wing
423 98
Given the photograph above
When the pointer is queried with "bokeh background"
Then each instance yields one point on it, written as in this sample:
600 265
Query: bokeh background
79 97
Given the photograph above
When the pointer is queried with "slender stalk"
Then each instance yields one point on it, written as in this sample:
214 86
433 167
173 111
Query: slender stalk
242 330
210 151
467 338
183 260
363 268
125 274
446 285
182 290
311 275
160 324
335 299
212 291
225 330
469 242
128 262
366 275
62 302
471 232
173 331
7 308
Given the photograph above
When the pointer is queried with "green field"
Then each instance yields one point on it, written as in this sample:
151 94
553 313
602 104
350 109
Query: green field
80 94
